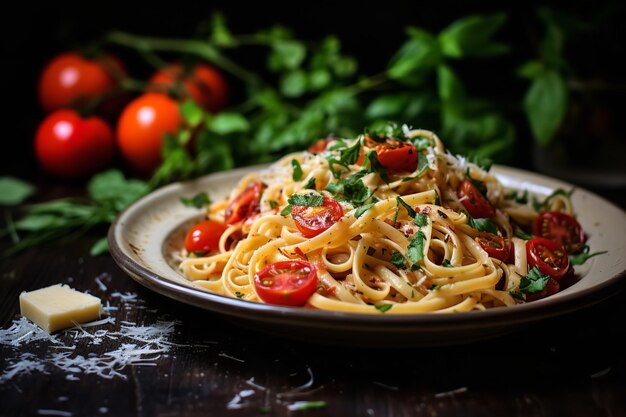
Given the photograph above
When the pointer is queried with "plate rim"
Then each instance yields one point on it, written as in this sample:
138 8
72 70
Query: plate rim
221 304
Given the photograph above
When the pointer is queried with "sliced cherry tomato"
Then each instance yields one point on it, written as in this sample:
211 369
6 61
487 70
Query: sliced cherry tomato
495 246
204 237
245 204
71 80
311 221
474 201
552 287
202 82
320 145
141 129
70 146
289 283
561 228
549 256
392 154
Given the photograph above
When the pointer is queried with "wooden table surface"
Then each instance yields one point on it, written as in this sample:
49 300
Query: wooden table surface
573 365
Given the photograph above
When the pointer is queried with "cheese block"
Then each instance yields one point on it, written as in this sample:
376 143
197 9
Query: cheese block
58 307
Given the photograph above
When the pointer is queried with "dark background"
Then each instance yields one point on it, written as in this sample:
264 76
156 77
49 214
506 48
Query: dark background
32 35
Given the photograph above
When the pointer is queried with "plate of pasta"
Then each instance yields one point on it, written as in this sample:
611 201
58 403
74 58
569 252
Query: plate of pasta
384 239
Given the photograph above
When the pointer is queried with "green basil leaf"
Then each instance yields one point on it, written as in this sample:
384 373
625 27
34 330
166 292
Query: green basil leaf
361 210
472 36
415 250
14 191
227 122
545 104
398 260
409 209
534 282
286 211
100 247
584 255
297 170
308 200
383 308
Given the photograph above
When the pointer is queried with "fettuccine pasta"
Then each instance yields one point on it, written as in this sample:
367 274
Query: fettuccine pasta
399 226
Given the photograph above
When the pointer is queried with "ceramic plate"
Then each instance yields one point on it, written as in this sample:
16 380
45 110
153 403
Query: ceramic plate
144 236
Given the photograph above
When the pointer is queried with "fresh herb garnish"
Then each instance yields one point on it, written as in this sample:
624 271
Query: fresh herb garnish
350 155
534 282
297 170
446 263
421 219
375 166
542 205
398 260
351 189
435 287
306 405
310 184
522 234
273 204
383 308
415 250
239 294
584 255
514 195
409 209
286 210
482 161
361 210
14 191
199 200
482 225
308 200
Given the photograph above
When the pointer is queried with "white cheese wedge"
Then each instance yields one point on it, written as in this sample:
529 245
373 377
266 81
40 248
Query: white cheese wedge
58 307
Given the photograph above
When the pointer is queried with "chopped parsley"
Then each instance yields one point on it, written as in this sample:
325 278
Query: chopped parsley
522 234
514 195
199 200
398 260
239 294
297 170
446 263
422 164
482 225
534 282
361 210
541 205
351 189
421 219
415 250
383 308
349 156
482 161
584 255
310 184
409 209
308 200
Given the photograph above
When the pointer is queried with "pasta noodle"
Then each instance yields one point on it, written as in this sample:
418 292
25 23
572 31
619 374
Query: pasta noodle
404 244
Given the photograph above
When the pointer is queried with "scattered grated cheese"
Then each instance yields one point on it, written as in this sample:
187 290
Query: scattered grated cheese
126 297
46 412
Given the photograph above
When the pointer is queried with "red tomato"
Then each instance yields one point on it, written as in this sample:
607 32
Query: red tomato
311 221
70 146
392 154
203 83
562 228
288 283
142 127
552 287
495 246
549 256
474 201
320 145
245 204
204 237
73 80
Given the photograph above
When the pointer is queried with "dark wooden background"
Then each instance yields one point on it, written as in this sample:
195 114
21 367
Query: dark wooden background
573 365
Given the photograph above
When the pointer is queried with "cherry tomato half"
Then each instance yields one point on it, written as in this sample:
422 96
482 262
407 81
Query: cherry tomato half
311 221
495 246
392 154
289 283
141 129
552 287
549 256
245 204
204 237
320 145
71 80
70 146
474 201
202 82
562 228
